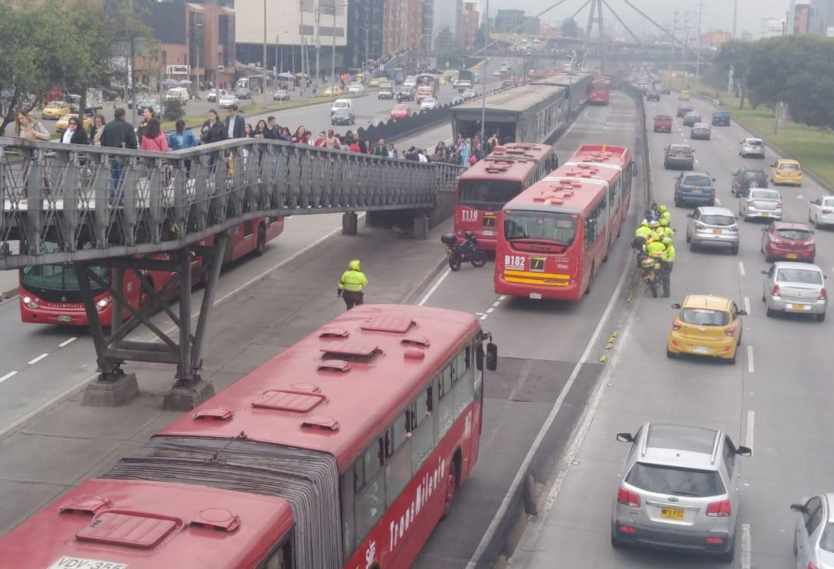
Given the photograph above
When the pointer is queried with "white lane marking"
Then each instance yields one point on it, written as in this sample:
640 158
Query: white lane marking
37 359
750 367
746 547
66 343
496 303
490 310
434 287
751 423
522 469
747 305
502 297
484 317
7 376
741 268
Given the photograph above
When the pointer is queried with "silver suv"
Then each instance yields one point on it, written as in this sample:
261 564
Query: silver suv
679 489
713 226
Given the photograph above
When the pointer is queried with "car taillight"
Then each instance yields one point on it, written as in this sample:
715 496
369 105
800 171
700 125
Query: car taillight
628 498
775 291
721 509
779 206
809 243
827 211
822 295
811 566
104 303
699 225
730 331
751 202
676 325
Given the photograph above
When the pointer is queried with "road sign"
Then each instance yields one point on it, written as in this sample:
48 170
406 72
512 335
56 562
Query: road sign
178 70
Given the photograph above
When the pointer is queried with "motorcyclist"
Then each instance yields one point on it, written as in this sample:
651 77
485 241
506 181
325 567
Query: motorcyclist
665 224
469 241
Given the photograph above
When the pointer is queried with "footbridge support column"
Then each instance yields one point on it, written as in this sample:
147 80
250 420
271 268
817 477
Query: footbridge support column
350 223
184 349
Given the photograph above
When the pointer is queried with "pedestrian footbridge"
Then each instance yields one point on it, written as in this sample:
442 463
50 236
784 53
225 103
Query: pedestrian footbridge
120 209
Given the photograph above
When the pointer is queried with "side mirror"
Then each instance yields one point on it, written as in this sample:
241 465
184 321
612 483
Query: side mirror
714 180
764 229
742 313
765 272
744 451
676 306
492 357
798 508
689 215
479 357
825 276
625 437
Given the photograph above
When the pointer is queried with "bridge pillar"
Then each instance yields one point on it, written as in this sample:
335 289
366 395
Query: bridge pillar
113 386
350 223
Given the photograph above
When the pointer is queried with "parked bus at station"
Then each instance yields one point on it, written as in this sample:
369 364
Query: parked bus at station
50 294
554 236
600 92
343 451
485 187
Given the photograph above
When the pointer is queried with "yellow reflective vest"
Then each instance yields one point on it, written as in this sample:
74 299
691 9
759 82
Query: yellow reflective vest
668 255
353 281
655 248
643 231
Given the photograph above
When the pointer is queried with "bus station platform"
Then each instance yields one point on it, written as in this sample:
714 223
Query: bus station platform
67 443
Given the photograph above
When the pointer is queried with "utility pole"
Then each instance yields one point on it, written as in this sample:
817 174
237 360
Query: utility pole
672 61
333 52
601 37
735 17
318 39
263 84
486 66
698 59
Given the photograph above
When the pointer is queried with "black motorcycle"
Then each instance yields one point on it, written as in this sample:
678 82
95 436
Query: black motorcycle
650 273
464 251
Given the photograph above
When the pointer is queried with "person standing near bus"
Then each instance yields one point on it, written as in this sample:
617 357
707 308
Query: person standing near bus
352 284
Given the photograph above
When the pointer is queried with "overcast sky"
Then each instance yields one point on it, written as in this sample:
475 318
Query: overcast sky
717 14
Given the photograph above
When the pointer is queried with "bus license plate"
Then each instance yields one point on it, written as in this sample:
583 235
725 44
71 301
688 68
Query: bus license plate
84 563
64 318
488 232
536 295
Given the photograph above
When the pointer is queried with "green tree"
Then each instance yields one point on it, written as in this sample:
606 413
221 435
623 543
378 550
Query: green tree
796 70
735 54
174 110
570 29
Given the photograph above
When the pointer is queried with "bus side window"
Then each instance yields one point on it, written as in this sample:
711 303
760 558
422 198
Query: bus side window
281 557
446 404
422 434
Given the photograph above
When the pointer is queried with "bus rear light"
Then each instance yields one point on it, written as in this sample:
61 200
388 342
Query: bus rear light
29 302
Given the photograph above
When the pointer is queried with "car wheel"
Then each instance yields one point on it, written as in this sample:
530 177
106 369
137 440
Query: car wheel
768 258
729 556
616 542
821 317
692 247
770 312
670 354
734 250
732 361
688 238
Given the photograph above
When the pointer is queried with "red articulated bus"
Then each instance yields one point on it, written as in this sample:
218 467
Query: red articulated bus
344 451
554 236
600 92
492 182
49 294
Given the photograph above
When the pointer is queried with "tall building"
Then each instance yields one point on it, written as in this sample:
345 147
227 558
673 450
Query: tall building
470 24
427 21
402 25
801 16
286 27
365 32
821 18
508 21
446 25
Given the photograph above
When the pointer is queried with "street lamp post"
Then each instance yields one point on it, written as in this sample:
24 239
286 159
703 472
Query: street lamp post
367 44
263 88
486 68
197 47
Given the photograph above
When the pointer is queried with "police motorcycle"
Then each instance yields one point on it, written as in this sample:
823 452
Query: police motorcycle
463 251
650 272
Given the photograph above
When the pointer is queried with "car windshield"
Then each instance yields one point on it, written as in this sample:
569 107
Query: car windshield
789 166
802 276
340 105
828 202
662 118
693 116
764 195
698 180
400 108
754 175
676 481
718 219
541 226
827 539
704 317
753 142
487 195
795 234
680 150
55 105
701 126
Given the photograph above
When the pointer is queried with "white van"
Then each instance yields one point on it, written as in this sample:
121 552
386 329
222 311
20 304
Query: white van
342 104
179 94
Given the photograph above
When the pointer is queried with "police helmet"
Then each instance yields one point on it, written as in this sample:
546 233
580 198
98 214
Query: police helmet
469 235
667 241
654 224
664 222
662 209
355 265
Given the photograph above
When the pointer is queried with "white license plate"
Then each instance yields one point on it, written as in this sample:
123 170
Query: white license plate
536 295
488 232
798 307
65 562
64 318
700 349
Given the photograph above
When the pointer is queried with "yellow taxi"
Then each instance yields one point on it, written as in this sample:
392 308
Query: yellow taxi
55 110
442 80
374 82
333 91
63 123
684 95
786 172
706 325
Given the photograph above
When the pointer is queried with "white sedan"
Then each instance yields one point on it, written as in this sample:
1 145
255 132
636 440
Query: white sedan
226 101
356 89
821 211
428 104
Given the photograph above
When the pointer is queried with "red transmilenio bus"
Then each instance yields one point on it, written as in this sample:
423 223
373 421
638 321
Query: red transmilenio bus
490 183
554 236
49 294
344 451
600 92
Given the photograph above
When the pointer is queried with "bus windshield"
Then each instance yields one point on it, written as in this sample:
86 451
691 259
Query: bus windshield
59 277
487 195
540 226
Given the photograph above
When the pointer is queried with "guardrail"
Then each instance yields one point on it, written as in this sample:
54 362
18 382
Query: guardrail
68 203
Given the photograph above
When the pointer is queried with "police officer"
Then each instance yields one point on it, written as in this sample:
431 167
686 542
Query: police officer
663 213
352 283
667 259
655 248
665 224
640 234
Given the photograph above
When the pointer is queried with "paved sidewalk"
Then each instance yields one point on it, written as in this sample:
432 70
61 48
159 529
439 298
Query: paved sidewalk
69 443
9 279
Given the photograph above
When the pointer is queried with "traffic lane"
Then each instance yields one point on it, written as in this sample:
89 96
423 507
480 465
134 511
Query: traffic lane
63 368
551 336
786 391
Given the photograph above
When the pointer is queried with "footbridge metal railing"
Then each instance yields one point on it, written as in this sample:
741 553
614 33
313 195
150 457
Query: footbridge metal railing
66 203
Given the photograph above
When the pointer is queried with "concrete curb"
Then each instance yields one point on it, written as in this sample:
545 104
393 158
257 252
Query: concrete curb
9 294
779 152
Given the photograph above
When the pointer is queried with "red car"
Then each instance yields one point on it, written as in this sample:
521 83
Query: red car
663 123
401 111
783 240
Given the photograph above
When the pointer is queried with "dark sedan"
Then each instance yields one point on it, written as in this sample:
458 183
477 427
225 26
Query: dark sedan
679 156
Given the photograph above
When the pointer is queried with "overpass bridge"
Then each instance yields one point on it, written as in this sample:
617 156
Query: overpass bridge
134 211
